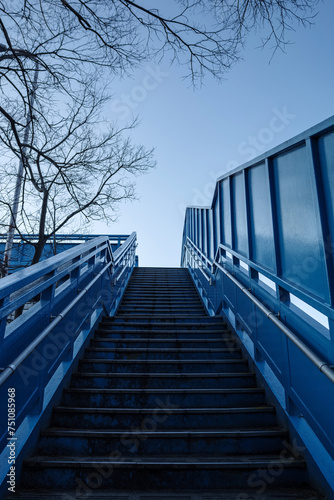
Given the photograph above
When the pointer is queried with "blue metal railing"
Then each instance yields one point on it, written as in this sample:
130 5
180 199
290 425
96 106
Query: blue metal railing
23 249
263 254
63 299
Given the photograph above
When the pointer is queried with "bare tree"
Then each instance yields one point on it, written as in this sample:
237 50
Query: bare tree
56 59
75 168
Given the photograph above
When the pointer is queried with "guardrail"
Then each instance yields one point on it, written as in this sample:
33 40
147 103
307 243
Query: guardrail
23 249
263 255
67 295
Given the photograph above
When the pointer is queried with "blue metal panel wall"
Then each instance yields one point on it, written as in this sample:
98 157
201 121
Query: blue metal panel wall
271 225
239 215
326 156
226 212
261 223
298 222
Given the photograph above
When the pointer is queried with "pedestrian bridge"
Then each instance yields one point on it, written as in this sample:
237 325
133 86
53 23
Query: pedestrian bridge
215 380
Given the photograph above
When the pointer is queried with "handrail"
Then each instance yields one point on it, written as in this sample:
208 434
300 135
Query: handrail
32 273
10 369
42 346
198 250
321 365
200 267
120 251
112 259
316 360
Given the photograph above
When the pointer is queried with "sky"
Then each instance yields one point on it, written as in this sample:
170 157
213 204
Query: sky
200 134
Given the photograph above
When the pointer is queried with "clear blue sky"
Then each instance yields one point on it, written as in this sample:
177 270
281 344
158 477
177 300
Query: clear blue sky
200 134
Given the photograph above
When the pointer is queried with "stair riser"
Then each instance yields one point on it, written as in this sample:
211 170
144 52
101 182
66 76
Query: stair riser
167 320
149 400
156 355
167 344
162 296
150 317
164 308
163 300
132 367
161 286
162 291
158 309
164 421
185 335
87 480
163 304
175 326
194 323
128 444
180 289
162 383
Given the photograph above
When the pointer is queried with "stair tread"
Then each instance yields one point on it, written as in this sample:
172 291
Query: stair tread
166 391
55 431
163 375
176 461
163 349
169 340
166 361
246 409
165 331
164 300
158 315
285 493
210 321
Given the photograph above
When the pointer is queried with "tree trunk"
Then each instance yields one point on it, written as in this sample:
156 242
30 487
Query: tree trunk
41 234
38 251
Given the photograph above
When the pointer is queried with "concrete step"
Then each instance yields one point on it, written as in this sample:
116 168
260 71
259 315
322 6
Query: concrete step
129 299
104 341
163 366
122 472
162 288
162 380
182 312
79 442
147 398
161 309
165 417
164 322
157 286
128 333
162 295
170 317
156 354
283 493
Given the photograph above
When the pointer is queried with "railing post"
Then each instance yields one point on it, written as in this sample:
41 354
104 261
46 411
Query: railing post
3 320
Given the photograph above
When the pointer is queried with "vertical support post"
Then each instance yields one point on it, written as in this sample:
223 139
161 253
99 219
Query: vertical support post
17 192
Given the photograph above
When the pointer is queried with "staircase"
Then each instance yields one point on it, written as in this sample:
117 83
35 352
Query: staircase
163 400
